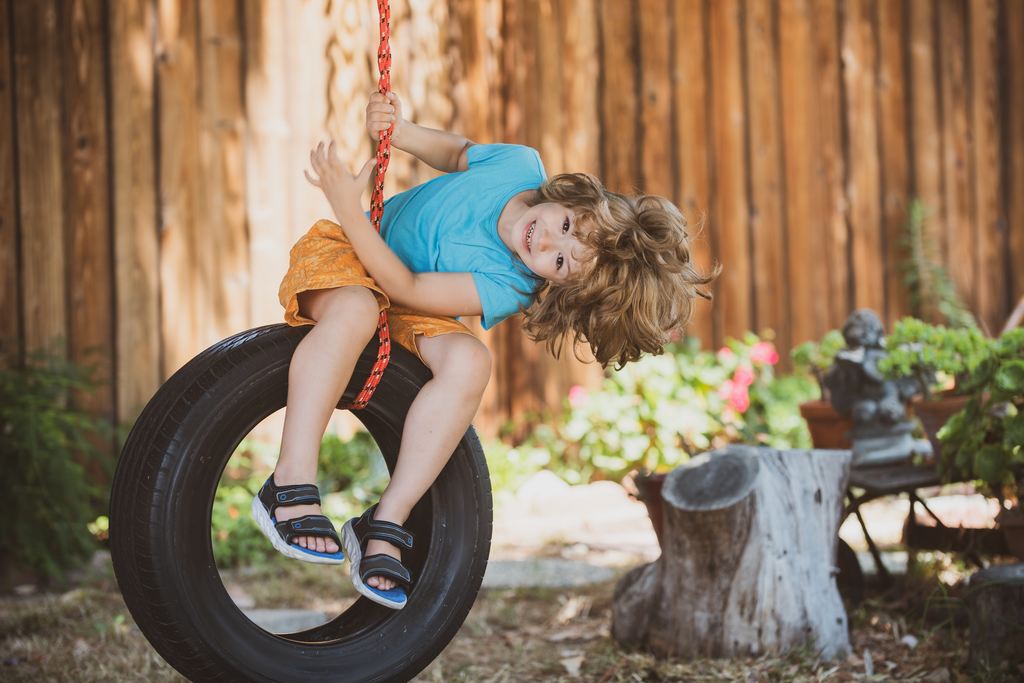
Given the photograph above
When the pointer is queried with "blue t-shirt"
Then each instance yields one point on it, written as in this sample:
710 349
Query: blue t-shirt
450 225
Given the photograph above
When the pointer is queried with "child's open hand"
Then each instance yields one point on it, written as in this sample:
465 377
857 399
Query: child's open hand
342 189
382 111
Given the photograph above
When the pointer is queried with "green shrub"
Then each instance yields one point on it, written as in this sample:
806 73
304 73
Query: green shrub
46 445
351 476
657 412
936 355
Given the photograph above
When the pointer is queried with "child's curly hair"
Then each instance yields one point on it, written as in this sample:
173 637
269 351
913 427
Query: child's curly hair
638 283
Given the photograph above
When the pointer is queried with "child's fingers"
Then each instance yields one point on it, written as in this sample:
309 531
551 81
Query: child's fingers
314 160
312 181
364 173
332 154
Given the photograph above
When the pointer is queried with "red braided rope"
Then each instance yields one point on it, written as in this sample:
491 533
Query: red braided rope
377 201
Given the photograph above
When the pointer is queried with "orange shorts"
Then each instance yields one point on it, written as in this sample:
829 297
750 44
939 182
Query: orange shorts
324 258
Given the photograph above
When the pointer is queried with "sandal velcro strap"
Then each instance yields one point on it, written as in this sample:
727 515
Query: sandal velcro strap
307 525
366 528
274 497
386 566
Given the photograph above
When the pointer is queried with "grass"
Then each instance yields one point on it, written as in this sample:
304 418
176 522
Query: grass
86 634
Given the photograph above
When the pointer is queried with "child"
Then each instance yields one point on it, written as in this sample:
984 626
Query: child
491 237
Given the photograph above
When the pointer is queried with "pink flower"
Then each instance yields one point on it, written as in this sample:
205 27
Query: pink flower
725 354
577 395
725 391
739 398
744 376
764 353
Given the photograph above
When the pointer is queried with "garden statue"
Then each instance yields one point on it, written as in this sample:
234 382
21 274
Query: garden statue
877 405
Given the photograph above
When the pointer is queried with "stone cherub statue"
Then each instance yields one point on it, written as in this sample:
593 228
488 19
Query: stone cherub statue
876 404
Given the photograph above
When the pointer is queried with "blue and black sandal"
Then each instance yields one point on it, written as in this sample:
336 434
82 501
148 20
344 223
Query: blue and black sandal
356 532
271 497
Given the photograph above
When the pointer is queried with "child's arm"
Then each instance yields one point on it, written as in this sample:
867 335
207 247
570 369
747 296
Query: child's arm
443 151
447 294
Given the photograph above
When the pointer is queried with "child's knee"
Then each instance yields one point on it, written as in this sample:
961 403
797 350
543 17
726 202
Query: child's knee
469 363
355 307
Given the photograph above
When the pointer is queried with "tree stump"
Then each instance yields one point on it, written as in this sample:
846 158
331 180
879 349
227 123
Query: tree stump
995 602
747 563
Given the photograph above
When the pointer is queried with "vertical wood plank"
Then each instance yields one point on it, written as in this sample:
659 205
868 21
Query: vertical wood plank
89 269
656 149
730 189
990 220
428 80
807 278
768 238
38 83
1013 106
892 131
550 76
953 225
862 185
831 161
690 93
620 171
224 244
926 147
186 272
267 175
11 347
136 246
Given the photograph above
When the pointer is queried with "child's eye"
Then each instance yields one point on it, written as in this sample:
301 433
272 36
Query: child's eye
565 226
558 263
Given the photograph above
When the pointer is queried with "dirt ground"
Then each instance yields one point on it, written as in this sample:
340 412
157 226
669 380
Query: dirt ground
915 630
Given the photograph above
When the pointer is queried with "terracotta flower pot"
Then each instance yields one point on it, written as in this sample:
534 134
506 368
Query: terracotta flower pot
828 428
934 413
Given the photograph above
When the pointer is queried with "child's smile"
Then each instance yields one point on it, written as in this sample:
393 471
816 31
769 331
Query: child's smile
544 239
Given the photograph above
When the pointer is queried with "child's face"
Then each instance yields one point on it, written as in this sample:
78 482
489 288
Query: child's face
546 241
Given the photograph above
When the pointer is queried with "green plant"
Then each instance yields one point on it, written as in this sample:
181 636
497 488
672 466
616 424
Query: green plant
654 413
816 357
47 444
351 476
936 355
985 440
933 296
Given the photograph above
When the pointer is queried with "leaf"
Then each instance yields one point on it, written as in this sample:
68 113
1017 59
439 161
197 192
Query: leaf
1010 377
991 464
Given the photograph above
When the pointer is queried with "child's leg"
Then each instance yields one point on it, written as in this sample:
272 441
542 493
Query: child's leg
319 372
437 420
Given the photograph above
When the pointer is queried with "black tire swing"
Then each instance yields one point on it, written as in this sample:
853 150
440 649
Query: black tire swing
162 500
161 506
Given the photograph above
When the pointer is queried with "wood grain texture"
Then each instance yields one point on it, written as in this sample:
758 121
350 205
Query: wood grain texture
187 267
41 187
1013 106
656 134
832 169
11 342
924 121
619 110
952 224
863 186
989 217
267 175
90 271
136 249
690 104
893 150
806 244
767 180
728 123
222 160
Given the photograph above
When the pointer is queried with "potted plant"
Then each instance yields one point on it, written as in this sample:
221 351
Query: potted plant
985 440
942 358
827 427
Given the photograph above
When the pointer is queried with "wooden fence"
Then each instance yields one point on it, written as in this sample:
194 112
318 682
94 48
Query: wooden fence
151 153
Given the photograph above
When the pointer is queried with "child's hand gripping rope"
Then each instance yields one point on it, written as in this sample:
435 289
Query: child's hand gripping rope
381 112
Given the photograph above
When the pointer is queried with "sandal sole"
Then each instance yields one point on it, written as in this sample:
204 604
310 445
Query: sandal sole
350 542
263 521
